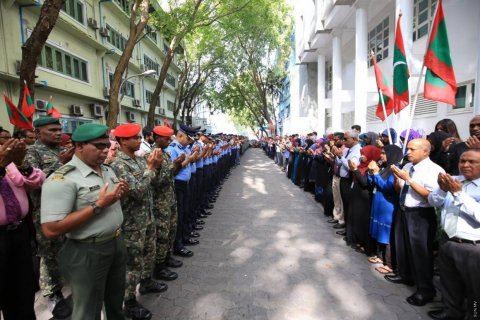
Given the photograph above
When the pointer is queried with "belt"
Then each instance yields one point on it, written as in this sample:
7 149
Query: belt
12 226
406 209
100 239
459 240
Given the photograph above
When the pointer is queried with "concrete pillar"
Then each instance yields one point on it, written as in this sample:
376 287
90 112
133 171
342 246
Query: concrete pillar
321 94
337 81
361 66
476 102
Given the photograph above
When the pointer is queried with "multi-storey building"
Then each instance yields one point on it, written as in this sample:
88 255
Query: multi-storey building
333 84
79 58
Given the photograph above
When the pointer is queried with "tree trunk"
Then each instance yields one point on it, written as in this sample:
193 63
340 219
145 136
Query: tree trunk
140 7
32 48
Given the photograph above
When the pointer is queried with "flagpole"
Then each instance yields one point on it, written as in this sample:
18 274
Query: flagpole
385 115
414 104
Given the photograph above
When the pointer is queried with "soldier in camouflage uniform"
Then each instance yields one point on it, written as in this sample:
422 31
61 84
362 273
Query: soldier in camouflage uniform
138 225
47 155
165 208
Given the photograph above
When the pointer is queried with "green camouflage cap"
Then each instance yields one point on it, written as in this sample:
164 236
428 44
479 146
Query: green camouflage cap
89 132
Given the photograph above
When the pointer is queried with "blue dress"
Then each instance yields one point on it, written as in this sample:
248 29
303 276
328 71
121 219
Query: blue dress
384 204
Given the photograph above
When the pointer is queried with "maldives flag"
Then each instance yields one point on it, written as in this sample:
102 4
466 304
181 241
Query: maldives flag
385 90
16 117
28 106
52 111
440 83
400 72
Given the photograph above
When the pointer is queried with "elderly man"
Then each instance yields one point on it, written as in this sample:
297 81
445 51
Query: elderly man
415 230
81 200
459 255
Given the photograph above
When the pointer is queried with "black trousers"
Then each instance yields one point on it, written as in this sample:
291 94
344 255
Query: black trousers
345 188
181 193
17 278
459 265
415 232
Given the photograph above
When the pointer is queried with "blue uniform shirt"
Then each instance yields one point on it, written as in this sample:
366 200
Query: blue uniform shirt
199 162
175 149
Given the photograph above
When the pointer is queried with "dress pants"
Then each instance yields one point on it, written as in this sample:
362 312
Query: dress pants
337 200
345 187
181 193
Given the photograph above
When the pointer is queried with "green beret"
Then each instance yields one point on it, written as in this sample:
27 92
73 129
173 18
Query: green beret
43 121
89 131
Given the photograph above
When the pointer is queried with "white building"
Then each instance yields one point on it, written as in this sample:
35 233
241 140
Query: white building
333 85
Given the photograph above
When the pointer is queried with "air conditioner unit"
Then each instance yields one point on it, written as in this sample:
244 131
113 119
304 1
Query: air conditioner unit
76 110
106 92
136 103
92 23
41 105
130 116
18 63
97 110
157 122
104 32
161 111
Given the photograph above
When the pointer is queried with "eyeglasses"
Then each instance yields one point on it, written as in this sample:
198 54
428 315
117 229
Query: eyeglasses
101 146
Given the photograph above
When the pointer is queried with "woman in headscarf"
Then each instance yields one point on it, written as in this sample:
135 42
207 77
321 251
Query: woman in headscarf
412 135
436 139
307 164
370 138
384 139
360 199
384 204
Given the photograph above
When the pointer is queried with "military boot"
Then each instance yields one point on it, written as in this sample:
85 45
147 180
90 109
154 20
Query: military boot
151 286
136 311
161 272
171 262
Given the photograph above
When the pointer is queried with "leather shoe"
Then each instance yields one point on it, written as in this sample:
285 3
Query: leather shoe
191 242
418 299
339 226
161 272
194 234
209 206
198 221
173 263
341 233
207 213
197 228
440 314
332 221
394 278
202 216
183 252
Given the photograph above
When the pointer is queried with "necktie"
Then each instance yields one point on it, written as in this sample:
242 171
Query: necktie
406 187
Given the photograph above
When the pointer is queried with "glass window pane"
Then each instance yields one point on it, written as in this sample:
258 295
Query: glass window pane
385 53
423 17
472 95
385 43
58 61
76 68
80 12
385 33
423 30
423 5
84 76
460 97
385 23
379 28
68 65
49 57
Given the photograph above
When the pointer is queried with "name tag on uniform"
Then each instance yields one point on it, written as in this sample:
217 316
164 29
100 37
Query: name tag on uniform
114 179
94 188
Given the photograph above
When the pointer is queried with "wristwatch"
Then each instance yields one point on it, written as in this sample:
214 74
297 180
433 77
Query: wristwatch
408 182
96 209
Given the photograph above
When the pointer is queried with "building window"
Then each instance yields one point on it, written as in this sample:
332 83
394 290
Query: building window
74 8
116 39
149 96
328 78
464 98
170 105
58 60
423 11
165 47
70 124
378 40
127 89
124 4
150 64
170 80
151 33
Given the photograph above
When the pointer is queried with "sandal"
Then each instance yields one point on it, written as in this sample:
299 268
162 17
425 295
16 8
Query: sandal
384 269
374 259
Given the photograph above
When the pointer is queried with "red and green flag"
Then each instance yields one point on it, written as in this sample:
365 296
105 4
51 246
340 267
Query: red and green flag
52 111
16 117
400 72
385 90
440 82
28 105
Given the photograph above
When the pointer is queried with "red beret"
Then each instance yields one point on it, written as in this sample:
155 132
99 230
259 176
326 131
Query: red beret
163 131
127 130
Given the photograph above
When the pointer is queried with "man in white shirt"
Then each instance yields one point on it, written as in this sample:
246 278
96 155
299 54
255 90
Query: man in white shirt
416 222
147 142
459 254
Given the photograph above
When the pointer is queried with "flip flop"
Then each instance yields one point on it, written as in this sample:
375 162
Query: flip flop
374 259
384 269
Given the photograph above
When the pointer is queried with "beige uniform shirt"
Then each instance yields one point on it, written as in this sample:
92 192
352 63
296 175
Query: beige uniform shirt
76 186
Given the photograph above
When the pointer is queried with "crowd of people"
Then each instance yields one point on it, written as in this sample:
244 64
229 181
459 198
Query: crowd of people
400 208
103 212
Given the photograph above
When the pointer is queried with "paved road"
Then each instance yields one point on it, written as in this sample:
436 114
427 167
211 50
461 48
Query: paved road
267 253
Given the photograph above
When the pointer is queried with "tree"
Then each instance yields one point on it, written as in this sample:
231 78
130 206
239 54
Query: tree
138 20
32 48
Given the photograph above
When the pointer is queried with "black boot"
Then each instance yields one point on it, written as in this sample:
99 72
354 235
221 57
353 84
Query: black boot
136 311
172 262
151 286
161 272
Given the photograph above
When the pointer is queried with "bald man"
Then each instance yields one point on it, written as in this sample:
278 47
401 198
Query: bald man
415 222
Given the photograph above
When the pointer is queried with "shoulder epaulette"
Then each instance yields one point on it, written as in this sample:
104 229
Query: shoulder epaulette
64 169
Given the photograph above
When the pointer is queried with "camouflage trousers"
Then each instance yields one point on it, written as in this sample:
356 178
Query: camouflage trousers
166 224
140 244
50 278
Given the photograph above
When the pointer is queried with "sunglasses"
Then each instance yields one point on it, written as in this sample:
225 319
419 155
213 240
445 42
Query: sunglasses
101 146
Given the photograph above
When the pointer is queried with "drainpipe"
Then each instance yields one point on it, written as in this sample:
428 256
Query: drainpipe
20 10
